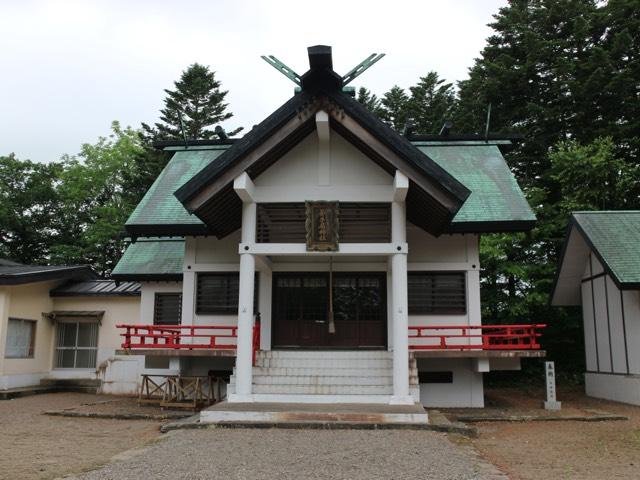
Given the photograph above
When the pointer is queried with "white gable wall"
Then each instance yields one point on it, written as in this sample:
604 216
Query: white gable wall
612 333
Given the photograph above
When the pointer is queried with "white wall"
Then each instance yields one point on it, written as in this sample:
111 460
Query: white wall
619 388
28 302
611 323
447 253
466 391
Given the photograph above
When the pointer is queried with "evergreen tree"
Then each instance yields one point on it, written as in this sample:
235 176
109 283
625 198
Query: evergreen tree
369 100
200 100
394 108
432 102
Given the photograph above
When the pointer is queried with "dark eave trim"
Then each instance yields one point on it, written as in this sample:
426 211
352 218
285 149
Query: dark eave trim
492 226
162 144
83 273
466 137
148 277
90 294
166 230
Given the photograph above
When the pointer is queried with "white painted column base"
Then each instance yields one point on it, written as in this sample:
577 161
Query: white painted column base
401 400
238 398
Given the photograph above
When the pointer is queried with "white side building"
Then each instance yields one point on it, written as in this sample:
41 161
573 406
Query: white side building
600 270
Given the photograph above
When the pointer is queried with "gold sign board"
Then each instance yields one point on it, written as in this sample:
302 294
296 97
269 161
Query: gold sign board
322 226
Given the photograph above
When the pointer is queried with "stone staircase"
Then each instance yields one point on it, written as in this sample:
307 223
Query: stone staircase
297 376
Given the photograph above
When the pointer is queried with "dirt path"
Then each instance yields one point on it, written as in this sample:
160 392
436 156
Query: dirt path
563 450
36 446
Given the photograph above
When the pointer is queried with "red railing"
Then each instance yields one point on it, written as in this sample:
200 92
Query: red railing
186 337
189 337
479 337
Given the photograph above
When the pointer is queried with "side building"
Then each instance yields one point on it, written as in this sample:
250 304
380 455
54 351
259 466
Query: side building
600 270
58 330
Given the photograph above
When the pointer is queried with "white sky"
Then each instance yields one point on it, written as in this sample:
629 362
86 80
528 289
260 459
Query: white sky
68 68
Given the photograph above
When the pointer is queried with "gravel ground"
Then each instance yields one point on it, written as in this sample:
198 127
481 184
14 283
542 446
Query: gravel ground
295 454
562 450
38 447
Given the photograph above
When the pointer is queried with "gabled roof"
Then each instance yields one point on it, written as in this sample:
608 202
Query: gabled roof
210 195
20 274
496 203
153 259
160 212
614 237
97 288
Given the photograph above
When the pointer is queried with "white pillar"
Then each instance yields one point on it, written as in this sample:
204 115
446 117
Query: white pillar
244 352
399 300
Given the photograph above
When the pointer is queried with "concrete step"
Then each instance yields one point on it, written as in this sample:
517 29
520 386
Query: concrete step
318 354
327 414
333 372
324 363
258 395
321 380
324 389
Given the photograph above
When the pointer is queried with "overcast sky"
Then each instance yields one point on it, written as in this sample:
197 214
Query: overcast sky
69 68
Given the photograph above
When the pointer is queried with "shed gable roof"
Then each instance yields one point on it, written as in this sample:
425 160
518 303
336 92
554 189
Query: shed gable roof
613 236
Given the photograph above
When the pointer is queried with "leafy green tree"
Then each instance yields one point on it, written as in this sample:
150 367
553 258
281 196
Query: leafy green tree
94 203
28 204
200 100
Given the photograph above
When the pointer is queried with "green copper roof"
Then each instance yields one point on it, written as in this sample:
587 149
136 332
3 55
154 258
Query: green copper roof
496 200
159 206
150 258
615 237
495 194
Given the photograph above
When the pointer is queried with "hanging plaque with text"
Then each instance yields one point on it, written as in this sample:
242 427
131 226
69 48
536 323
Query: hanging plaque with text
322 226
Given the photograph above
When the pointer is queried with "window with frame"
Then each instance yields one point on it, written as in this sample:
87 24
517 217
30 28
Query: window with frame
21 338
167 309
77 345
441 293
218 293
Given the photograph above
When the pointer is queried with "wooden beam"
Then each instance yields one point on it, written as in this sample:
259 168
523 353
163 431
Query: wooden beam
244 187
300 249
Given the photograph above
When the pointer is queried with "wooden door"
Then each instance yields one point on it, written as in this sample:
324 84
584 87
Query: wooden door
300 313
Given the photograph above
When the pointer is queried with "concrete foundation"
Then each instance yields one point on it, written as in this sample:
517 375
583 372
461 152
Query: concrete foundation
619 388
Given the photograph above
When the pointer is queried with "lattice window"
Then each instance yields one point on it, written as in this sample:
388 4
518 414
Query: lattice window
167 309
442 293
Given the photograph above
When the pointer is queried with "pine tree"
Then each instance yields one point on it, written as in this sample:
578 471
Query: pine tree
432 102
200 100
369 100
394 108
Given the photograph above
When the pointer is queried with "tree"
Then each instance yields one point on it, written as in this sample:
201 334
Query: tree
28 204
94 202
569 84
394 109
432 102
200 100
369 100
